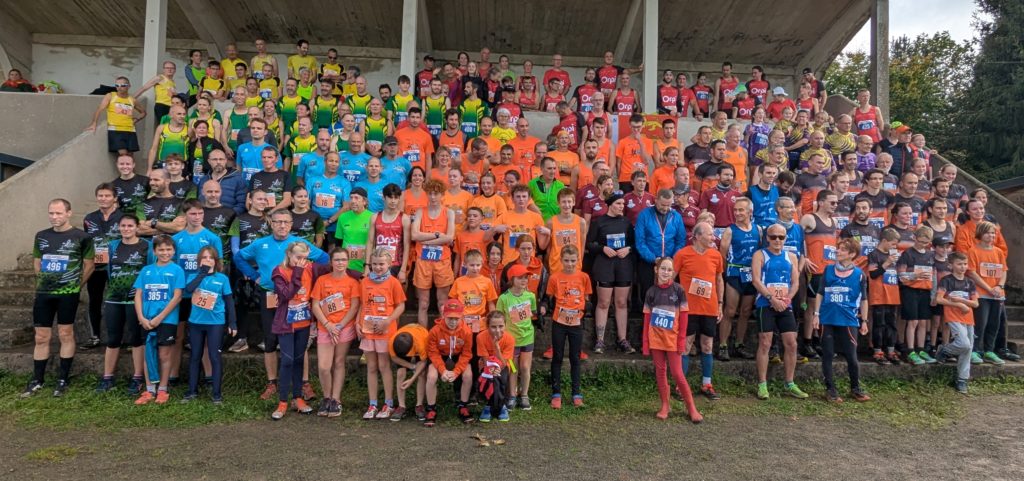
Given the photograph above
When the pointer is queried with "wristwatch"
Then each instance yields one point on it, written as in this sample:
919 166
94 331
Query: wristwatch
437 235
152 223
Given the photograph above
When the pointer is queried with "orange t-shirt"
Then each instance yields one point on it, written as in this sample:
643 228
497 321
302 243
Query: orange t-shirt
419 341
570 292
698 274
964 240
499 172
458 203
883 290
479 168
430 225
455 143
630 160
664 177
466 241
584 177
335 295
563 234
493 207
486 347
989 264
738 159
566 162
523 156
440 174
660 145
416 144
604 152
413 203
475 293
517 224
379 302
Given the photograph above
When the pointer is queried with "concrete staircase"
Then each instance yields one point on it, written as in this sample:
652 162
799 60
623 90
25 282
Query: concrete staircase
17 292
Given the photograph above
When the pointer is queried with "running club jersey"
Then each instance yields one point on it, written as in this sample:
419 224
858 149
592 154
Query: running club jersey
171 142
353 229
119 113
913 263
307 225
624 103
744 108
838 142
277 183
776 275
162 209
288 106
795 239
867 234
431 225
843 210
880 204
519 311
727 88
916 207
270 88
248 228
963 289
375 129
944 235
841 297
906 240
758 90
126 262
764 205
218 220
607 76
584 96
297 148
821 244
158 283
741 251
236 122
183 189
389 235
454 143
475 293
378 302
360 105
867 123
883 290
335 296
686 97
807 187
208 300
186 251
550 102
570 292
62 256
433 114
398 105
130 193
667 307
323 112
563 234
698 274
668 99
702 93
471 112
103 232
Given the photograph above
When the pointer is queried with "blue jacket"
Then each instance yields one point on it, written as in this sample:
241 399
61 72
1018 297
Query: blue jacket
233 190
649 234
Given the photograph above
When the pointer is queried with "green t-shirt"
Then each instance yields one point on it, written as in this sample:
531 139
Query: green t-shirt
519 312
354 231
545 197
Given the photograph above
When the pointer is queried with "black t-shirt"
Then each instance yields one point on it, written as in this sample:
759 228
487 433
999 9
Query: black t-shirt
696 154
248 228
130 193
868 235
102 232
62 256
277 183
163 209
307 225
708 170
183 189
218 220
126 261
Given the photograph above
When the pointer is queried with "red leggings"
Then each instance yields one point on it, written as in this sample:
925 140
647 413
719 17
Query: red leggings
675 364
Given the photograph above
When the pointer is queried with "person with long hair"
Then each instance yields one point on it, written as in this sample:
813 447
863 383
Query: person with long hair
212 314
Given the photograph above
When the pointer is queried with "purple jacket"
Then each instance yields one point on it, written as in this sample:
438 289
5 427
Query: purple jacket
285 290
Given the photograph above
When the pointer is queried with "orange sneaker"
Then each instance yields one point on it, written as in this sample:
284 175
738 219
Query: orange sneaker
282 408
301 406
549 353
269 391
162 397
584 356
145 398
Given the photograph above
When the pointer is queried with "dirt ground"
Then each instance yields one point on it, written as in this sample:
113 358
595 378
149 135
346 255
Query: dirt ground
986 444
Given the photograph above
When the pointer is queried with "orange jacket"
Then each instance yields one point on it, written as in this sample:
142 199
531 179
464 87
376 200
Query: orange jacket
964 240
445 343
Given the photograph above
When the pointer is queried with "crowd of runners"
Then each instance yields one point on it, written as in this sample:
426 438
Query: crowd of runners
307 214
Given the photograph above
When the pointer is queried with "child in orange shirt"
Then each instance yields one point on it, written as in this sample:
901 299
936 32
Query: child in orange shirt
495 349
469 237
568 291
449 347
408 350
335 306
383 302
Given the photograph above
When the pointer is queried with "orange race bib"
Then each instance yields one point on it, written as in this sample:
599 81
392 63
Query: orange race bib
271 300
988 269
520 312
204 299
333 303
700 288
325 201
101 255
569 317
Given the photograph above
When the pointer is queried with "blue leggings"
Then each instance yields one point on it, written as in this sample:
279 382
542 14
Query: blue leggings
211 336
293 353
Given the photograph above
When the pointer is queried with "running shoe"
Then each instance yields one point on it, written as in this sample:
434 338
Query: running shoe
722 354
762 391
145 398
549 353
269 392
625 347
308 393
599 347
62 387
217 401
832 396
941 356
894 358
385 412
1007 355
240 345
556 402
510 404
773 356
927 358
162 397
990 357
188 397
335 409
431 419
325 407
279 412
879 358
33 387
421 412
709 392
503 415
465 416
744 353
859 395
92 343
915 359
105 385
961 386
976 358
584 356
524 403
793 390
485 415
371 413
398 414
809 352
135 386
577 401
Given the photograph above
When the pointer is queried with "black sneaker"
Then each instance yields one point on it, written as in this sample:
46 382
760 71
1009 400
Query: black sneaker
217 401
325 407
742 352
940 356
625 347
105 385
430 419
961 386
722 354
188 397
135 386
832 396
32 388
92 343
1007 355
465 416
61 388
809 352
709 392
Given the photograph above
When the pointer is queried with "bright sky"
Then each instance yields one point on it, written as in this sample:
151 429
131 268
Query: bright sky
914 17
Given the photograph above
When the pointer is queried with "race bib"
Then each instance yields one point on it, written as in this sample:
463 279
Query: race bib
431 253
356 251
351 175
878 222
101 255
779 290
829 253
469 128
369 322
513 237
54 263
865 125
156 292
700 288
520 312
333 303
616 241
271 300
473 322
663 319
746 274
925 270
890 277
991 270
189 262
204 299
569 317
326 201
298 312
435 130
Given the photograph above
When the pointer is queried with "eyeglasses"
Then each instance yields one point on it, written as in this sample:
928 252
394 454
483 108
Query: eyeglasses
834 202
776 237
121 85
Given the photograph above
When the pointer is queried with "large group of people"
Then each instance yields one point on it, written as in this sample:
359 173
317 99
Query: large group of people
309 212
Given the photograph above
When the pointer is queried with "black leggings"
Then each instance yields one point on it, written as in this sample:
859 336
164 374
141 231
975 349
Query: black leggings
987 318
559 333
845 338
210 336
95 285
883 333
123 329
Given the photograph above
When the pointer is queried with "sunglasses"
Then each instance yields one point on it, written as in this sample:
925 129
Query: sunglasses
120 85
776 237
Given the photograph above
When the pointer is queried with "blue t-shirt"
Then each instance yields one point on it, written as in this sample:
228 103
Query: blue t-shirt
157 284
310 165
208 300
268 253
776 275
353 166
764 205
327 195
741 251
186 251
248 158
840 298
395 171
375 193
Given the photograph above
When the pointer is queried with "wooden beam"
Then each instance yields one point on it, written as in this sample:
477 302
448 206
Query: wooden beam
424 41
208 24
838 33
631 24
15 46
187 44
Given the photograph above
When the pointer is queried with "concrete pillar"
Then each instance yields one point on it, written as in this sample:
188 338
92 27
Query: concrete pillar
650 55
410 14
155 41
880 55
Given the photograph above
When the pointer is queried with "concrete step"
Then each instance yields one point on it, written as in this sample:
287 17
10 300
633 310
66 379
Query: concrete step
25 262
1015 313
15 336
17 279
18 297
1014 329
1016 345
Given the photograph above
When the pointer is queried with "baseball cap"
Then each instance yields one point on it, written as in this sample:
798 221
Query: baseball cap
517 270
779 91
360 191
900 127
807 70
453 306
740 89
616 196
391 140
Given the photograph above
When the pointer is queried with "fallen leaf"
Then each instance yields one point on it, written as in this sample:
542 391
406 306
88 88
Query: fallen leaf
484 444
499 442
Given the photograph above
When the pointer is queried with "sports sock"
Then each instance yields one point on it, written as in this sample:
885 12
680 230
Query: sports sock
65 367
706 361
39 369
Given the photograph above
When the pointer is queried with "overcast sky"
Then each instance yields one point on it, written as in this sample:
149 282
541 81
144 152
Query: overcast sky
913 17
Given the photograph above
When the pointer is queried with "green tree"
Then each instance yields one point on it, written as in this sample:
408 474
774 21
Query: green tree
992 131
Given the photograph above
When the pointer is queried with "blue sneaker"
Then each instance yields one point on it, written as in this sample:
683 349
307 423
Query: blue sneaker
485 415
503 415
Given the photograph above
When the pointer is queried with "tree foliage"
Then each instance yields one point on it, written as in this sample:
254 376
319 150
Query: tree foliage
992 126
